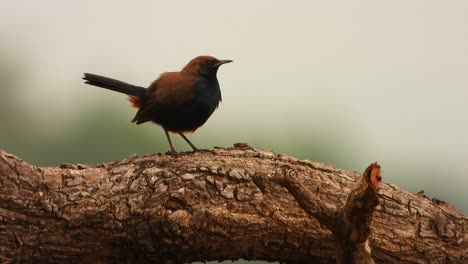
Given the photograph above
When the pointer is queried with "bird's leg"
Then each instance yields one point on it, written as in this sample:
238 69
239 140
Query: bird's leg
173 151
188 141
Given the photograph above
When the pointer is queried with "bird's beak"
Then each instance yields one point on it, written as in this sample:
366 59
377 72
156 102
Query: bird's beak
221 62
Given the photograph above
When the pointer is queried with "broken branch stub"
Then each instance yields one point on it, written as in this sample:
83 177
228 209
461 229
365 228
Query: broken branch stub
355 217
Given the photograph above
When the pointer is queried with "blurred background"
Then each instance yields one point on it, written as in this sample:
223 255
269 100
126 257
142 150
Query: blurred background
340 82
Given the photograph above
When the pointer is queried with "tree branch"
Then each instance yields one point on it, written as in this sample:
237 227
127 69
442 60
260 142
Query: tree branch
351 224
214 205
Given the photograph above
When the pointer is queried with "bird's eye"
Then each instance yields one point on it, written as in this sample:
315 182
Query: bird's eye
210 62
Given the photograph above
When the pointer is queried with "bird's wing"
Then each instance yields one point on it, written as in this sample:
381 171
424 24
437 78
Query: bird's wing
170 92
174 90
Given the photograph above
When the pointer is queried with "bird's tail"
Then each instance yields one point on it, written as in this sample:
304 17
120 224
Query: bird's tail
136 93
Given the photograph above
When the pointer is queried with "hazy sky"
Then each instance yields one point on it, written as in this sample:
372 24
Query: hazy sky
388 78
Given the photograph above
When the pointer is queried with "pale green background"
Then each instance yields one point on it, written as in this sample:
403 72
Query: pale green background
341 82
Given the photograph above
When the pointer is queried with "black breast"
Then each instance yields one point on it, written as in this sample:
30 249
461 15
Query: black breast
196 113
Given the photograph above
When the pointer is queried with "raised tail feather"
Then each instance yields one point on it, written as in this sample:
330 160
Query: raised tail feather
136 93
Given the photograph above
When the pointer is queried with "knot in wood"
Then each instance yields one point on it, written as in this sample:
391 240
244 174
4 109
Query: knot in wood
289 172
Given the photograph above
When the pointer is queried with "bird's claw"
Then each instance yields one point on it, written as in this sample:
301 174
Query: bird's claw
172 153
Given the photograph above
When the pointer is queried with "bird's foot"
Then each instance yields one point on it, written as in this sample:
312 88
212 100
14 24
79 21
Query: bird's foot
194 149
204 150
172 153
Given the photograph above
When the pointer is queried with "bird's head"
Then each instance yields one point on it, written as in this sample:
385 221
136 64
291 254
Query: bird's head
206 66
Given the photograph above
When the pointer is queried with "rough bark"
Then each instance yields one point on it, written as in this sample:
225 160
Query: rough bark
349 224
218 205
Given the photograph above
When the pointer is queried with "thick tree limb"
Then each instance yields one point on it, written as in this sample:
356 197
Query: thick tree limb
206 206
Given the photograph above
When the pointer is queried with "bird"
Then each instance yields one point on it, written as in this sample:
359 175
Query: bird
180 102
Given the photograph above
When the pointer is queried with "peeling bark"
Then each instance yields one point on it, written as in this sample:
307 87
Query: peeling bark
209 205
